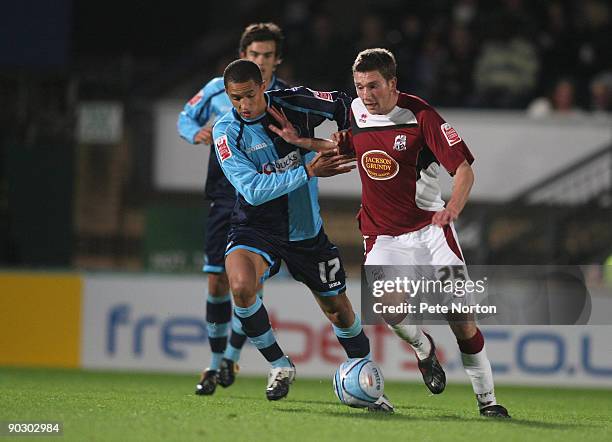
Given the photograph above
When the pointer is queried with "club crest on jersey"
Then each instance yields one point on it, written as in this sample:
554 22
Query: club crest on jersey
196 98
379 165
400 142
363 118
451 135
222 148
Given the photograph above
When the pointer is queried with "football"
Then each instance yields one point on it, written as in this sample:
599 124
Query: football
358 383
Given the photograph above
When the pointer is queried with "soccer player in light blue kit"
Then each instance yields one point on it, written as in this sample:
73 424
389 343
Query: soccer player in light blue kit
265 147
261 43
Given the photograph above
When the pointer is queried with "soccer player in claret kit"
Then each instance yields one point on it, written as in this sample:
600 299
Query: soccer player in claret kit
266 150
400 142
261 43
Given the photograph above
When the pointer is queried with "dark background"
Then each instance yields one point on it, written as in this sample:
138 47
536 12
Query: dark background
68 204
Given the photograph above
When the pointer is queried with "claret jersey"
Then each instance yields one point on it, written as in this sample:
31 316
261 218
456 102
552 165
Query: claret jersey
399 156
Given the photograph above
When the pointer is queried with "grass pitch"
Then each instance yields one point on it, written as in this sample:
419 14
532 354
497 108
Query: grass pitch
100 406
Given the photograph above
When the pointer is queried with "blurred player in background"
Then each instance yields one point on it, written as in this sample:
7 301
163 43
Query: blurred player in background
261 43
403 218
265 148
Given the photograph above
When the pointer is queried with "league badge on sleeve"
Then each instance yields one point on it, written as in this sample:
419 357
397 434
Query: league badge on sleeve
327 96
451 135
196 98
223 148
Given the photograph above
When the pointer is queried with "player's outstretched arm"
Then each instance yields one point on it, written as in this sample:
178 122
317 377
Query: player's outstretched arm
256 187
288 133
462 184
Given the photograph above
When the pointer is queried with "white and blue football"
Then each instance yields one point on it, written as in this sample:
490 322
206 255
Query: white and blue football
359 383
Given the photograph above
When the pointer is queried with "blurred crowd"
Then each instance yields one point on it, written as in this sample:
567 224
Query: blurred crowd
545 56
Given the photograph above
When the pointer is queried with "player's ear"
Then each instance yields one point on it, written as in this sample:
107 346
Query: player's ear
242 54
393 83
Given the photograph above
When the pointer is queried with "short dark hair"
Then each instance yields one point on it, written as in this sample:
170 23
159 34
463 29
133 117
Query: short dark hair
377 59
241 71
262 32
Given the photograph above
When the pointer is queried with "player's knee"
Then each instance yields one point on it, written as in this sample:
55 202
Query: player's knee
243 289
218 284
464 330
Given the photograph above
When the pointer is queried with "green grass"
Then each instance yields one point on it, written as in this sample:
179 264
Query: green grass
100 406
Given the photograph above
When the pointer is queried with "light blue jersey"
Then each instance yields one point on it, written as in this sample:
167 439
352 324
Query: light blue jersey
275 194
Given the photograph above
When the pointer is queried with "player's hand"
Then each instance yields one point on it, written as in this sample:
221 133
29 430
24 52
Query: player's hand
204 136
342 139
287 132
445 216
326 164
290 134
